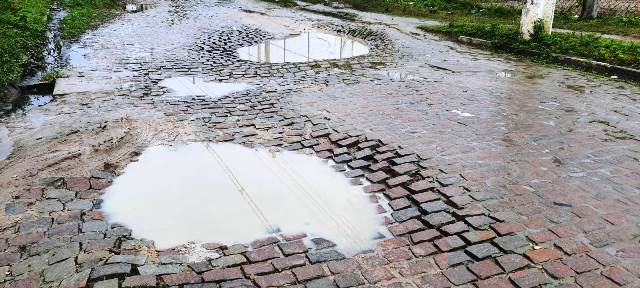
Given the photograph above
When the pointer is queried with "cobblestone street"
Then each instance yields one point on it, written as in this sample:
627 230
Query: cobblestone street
488 171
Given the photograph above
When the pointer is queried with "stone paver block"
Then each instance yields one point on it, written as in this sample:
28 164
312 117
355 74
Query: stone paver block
459 275
349 279
449 243
225 274
139 281
181 278
326 282
529 278
542 255
378 274
483 250
309 272
485 269
264 253
511 262
278 279
110 270
294 247
558 270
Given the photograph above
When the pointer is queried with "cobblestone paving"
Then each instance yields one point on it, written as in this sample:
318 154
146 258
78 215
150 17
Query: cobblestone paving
537 188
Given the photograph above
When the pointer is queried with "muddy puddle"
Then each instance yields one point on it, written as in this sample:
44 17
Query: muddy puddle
5 143
191 86
305 47
227 193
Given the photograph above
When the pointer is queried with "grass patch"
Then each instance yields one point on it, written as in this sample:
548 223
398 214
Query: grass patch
84 15
23 27
618 25
283 3
50 76
590 46
482 12
340 14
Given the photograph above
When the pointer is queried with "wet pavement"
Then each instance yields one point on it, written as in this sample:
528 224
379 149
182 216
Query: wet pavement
498 173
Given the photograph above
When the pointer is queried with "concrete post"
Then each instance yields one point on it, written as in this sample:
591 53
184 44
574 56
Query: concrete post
589 9
533 11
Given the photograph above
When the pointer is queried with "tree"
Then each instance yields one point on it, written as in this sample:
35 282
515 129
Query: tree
535 11
589 9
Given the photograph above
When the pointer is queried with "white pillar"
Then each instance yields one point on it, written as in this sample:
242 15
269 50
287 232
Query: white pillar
533 11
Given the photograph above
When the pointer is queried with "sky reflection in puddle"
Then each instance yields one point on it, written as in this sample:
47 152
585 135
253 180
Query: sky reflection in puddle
191 86
305 47
228 193
5 143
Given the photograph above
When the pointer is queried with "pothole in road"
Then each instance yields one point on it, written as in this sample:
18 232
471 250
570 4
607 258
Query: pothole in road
227 193
305 47
191 86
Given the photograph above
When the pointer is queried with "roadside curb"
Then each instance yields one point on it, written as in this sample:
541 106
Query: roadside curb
585 64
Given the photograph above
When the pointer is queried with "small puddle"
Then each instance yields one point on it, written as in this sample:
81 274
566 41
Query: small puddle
227 193
305 47
5 143
28 102
191 86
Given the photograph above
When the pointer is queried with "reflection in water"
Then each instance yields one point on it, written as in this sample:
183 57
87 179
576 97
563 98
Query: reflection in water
5 143
306 47
228 193
191 86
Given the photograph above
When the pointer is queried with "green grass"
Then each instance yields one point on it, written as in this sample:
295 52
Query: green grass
617 25
84 15
23 27
50 76
482 12
589 46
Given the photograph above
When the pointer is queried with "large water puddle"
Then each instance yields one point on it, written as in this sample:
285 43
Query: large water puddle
191 86
5 143
305 47
227 193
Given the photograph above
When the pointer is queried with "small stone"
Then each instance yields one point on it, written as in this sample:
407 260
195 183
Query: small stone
321 283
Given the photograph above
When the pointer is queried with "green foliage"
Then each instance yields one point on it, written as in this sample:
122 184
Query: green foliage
84 15
50 76
609 24
23 27
588 46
